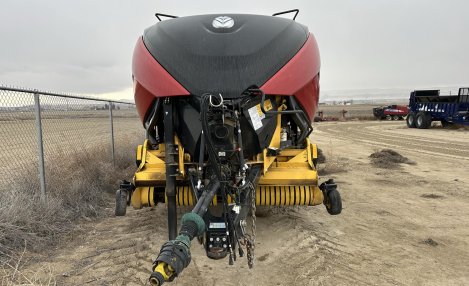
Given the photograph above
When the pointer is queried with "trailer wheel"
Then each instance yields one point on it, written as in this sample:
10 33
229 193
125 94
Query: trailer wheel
333 202
395 117
388 117
121 202
410 120
423 120
446 124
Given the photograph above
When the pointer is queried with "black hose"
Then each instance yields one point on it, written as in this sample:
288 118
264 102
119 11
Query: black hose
240 146
202 151
206 198
210 146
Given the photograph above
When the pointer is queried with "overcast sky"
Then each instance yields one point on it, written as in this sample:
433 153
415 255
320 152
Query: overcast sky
85 46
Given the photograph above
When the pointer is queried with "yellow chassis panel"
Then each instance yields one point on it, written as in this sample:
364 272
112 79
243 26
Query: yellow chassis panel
152 168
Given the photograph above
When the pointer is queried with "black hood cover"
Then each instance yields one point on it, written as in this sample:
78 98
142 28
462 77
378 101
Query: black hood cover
224 60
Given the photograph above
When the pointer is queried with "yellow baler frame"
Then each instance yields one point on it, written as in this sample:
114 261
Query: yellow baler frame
288 178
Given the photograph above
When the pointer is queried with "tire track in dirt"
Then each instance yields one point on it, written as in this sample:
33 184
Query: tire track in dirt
400 129
120 250
377 240
412 138
113 252
361 132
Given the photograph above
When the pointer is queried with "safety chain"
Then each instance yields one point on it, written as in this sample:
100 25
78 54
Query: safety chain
251 240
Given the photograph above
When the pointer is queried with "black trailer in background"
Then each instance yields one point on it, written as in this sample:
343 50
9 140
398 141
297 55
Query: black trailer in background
426 106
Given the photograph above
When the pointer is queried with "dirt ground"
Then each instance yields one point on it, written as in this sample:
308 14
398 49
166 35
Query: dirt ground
404 226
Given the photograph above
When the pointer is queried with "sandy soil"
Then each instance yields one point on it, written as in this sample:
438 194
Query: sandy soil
405 226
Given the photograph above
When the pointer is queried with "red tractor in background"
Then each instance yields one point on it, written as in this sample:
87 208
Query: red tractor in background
391 112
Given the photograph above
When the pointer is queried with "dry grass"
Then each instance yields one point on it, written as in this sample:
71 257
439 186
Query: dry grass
332 167
332 164
79 189
389 159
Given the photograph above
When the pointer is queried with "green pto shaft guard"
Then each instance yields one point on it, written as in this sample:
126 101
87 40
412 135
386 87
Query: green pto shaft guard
193 218
175 255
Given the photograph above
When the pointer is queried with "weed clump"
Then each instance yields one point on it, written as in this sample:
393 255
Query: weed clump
430 241
389 159
330 166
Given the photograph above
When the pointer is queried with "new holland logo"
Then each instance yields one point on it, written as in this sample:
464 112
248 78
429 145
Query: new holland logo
223 22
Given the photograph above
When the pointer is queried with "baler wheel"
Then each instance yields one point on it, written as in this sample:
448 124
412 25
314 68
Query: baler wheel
333 202
388 117
121 202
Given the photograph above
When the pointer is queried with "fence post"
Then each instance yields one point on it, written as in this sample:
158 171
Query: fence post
112 134
40 147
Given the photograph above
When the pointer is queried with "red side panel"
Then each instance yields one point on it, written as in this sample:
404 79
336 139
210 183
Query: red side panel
299 77
151 80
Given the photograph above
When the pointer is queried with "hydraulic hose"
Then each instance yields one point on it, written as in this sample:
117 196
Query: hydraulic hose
175 254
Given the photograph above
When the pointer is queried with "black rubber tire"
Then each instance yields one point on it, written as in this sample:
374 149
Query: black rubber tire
410 120
395 117
446 124
121 203
388 117
333 202
423 120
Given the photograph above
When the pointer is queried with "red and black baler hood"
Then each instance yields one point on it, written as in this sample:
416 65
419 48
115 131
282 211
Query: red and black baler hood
190 56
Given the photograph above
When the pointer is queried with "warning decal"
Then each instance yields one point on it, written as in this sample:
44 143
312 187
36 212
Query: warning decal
257 115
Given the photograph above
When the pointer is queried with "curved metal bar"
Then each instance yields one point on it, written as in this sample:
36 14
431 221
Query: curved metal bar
287 12
164 15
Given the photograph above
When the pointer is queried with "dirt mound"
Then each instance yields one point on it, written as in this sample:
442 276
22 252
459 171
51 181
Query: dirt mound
389 159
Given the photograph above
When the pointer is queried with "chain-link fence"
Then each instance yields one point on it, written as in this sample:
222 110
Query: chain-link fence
42 133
